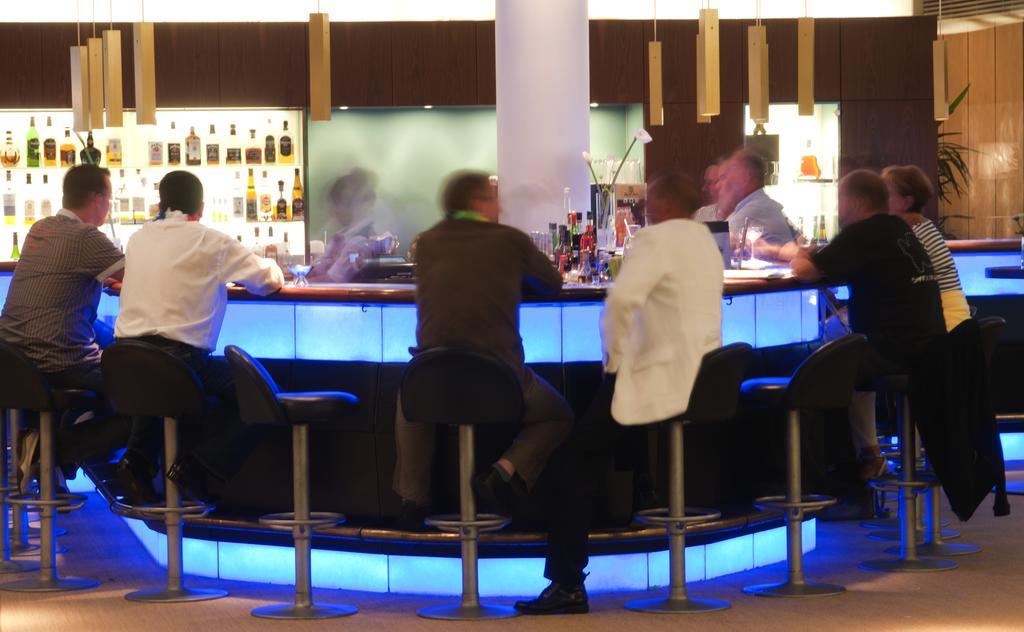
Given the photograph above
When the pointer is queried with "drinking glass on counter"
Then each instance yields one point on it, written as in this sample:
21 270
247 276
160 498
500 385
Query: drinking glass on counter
300 270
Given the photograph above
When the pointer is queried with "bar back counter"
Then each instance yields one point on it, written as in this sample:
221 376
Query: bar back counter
357 337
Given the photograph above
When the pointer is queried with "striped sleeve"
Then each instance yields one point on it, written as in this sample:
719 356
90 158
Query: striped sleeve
938 252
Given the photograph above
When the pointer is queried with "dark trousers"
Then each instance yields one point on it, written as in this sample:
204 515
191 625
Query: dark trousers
227 442
578 481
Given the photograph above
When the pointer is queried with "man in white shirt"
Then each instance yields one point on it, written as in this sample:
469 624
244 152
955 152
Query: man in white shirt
661 317
174 296
741 197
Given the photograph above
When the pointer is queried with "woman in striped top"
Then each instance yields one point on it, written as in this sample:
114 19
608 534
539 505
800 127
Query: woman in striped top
909 191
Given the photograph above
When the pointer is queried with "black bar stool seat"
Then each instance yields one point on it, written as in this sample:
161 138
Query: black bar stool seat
824 380
24 388
261 403
143 380
713 399
466 388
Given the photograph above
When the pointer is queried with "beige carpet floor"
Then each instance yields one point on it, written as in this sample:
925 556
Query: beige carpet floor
986 594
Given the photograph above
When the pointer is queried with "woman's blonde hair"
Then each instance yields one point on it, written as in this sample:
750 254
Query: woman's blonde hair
911 181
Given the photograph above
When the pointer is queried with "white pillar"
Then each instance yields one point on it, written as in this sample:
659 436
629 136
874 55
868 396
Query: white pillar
542 52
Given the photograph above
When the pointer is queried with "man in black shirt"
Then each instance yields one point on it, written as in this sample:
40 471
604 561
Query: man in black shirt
894 297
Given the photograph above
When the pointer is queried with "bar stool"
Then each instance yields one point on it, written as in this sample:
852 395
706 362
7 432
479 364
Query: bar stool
262 402
824 380
142 380
24 387
20 533
909 486
713 399
465 388
7 565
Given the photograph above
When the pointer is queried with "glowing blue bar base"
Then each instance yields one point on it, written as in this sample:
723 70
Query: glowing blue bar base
1013 445
420 575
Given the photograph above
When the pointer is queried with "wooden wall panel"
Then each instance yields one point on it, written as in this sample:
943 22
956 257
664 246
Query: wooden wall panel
434 63
827 60
361 64
685 145
617 59
981 121
187 65
1006 161
679 59
485 71
956 64
55 66
263 65
22 65
875 134
887 58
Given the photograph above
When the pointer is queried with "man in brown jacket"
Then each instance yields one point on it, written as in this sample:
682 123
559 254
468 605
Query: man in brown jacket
470 271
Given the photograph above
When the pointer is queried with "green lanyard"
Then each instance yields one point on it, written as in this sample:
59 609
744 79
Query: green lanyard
470 215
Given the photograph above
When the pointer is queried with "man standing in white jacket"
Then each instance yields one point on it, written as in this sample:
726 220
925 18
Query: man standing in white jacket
663 314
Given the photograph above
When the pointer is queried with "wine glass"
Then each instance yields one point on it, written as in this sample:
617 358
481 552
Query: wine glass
754 232
300 270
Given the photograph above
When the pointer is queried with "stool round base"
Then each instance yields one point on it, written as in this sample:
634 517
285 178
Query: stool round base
908 566
33 532
20 550
18 566
162 595
667 605
887 535
894 523
315 611
788 589
57 584
463 613
943 549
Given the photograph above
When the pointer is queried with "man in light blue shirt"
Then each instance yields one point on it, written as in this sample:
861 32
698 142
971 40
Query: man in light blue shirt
742 197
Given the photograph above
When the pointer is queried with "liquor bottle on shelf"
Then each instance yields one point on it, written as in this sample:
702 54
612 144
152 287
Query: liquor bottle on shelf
270 252
193 149
266 200
212 148
822 234
238 199
156 152
140 210
252 208
286 249
49 145
30 201
233 153
89 154
67 150
253 153
15 251
281 214
173 147
32 144
9 202
809 167
286 153
45 205
114 155
257 245
124 201
298 199
9 155
269 146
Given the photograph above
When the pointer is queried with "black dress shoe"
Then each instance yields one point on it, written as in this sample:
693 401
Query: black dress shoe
557 599
135 476
496 494
190 476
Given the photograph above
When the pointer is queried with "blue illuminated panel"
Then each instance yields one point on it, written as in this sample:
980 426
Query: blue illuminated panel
769 547
778 319
399 326
540 327
1013 445
5 284
107 310
617 572
510 576
264 330
738 322
810 314
581 332
657 566
729 556
338 332
971 268
809 529
425 575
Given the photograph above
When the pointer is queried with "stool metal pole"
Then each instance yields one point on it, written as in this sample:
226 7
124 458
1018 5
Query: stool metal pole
470 608
933 545
19 515
48 580
175 590
7 565
908 561
302 534
795 585
677 601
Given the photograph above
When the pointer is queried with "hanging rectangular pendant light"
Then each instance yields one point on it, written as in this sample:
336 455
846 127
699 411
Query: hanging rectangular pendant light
95 46
701 85
80 88
805 66
709 100
112 88
319 66
145 73
940 80
657 114
757 72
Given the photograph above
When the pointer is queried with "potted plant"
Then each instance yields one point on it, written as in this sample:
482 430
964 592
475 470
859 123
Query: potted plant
954 173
